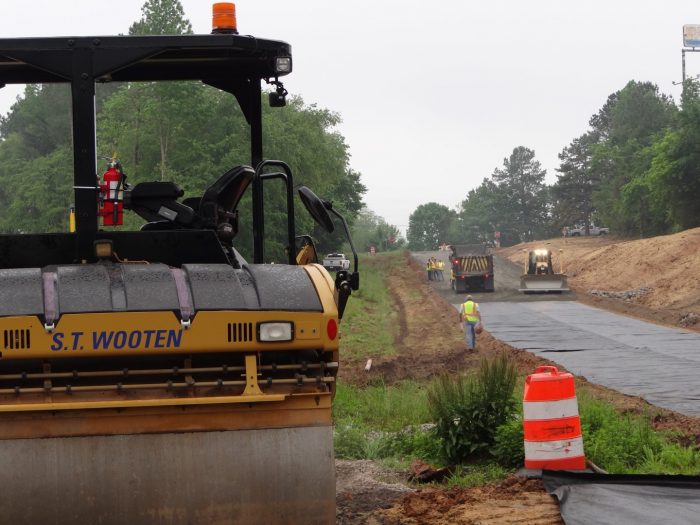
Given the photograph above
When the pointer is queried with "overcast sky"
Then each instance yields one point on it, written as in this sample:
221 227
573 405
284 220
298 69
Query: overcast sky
433 95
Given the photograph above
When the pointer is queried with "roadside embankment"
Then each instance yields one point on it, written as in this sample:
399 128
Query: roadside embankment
656 279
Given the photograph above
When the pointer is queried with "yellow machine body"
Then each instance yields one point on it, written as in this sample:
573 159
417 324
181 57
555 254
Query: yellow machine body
201 423
539 275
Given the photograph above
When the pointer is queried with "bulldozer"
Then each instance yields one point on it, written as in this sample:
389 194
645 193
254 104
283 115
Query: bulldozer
539 275
156 376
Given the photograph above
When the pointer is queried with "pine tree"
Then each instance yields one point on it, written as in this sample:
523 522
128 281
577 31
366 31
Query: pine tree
522 180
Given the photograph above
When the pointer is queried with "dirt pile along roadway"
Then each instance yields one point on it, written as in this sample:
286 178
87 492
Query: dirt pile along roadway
661 275
430 342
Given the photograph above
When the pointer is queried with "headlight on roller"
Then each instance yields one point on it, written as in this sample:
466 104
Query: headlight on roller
275 331
283 65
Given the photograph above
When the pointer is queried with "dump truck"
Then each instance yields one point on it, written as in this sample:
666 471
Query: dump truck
539 275
156 375
471 268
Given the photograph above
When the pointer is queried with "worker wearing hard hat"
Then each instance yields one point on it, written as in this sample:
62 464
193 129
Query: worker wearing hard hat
470 319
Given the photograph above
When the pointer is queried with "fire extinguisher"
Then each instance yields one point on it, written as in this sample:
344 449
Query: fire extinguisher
112 194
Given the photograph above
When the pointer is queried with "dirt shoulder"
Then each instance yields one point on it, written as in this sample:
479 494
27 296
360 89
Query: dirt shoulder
513 501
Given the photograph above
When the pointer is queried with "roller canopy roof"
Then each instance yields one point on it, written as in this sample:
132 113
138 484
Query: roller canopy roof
211 58
233 63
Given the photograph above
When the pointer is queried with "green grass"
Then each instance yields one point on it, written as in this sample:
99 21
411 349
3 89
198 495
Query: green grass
392 424
382 422
381 407
627 444
369 326
476 475
618 443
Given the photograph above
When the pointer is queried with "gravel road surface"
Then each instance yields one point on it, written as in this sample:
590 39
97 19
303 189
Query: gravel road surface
506 282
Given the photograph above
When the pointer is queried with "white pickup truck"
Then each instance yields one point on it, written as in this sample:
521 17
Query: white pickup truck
577 231
334 262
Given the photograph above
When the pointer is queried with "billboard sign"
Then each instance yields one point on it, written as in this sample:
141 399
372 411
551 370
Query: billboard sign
691 35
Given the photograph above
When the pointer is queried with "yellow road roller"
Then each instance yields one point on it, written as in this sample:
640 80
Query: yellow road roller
156 376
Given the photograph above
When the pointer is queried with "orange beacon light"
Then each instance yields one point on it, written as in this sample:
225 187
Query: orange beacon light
224 18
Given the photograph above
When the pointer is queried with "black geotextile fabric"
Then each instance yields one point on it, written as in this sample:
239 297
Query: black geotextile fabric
622 499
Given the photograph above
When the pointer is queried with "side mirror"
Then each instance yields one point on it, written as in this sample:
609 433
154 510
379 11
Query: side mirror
320 210
277 100
316 208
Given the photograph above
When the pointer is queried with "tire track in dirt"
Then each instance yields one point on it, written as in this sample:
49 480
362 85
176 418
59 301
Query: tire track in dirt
430 341
401 315
427 343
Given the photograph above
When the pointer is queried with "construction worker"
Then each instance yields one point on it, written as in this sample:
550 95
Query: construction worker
469 316
441 270
429 269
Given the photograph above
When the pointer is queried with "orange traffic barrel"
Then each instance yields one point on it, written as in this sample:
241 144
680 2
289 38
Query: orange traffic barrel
551 423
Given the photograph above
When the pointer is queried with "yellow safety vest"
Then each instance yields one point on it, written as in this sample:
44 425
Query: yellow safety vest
470 312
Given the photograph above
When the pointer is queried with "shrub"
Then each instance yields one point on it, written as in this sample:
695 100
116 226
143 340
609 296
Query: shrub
468 410
509 447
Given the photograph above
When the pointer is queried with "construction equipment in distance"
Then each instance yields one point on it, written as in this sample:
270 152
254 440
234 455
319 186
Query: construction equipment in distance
334 262
472 268
540 277
155 376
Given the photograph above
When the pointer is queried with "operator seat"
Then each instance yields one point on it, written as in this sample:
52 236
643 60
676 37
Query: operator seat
214 210
220 199
156 202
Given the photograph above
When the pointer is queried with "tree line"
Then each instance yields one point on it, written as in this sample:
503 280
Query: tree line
636 170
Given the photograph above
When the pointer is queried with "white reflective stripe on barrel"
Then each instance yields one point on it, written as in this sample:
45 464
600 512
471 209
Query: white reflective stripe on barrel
533 410
560 449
